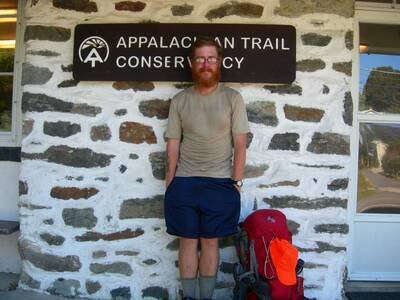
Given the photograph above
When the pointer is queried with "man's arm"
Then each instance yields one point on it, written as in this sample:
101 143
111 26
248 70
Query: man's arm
172 159
239 156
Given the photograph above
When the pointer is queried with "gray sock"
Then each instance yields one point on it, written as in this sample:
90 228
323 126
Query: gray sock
189 287
207 284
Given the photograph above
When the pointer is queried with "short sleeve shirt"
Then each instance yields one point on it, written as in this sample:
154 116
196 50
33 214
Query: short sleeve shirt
206 125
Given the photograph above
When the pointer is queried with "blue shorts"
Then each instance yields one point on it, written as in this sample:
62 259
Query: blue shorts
201 207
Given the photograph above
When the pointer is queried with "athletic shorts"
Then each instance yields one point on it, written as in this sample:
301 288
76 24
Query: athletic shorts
201 207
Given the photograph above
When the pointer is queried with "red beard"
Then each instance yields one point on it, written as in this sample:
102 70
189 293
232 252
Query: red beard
208 80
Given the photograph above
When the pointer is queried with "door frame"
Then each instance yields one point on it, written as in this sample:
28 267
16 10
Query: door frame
366 15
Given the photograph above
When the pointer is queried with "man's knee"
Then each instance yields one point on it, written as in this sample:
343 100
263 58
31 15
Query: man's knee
209 243
188 243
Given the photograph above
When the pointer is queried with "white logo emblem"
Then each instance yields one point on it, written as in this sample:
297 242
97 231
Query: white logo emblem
93 49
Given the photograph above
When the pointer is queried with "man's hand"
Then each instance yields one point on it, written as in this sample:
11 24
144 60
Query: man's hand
237 187
168 180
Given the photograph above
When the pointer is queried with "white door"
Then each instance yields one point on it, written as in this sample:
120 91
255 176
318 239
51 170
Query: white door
374 246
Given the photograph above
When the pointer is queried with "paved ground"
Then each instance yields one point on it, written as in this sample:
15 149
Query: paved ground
27 295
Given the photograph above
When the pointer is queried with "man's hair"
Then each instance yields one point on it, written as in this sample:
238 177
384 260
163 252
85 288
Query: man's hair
205 41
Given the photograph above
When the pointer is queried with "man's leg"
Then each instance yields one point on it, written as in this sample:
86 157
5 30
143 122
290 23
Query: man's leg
188 265
208 266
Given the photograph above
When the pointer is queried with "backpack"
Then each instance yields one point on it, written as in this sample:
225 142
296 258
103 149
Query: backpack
255 275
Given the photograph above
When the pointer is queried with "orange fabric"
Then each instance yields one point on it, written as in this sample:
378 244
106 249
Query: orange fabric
284 257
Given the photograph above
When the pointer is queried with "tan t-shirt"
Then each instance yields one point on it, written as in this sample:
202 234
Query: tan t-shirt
206 126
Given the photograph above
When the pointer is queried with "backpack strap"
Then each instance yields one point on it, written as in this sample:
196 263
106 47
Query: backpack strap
253 260
267 261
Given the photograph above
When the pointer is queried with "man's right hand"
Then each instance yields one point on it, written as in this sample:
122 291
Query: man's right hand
168 180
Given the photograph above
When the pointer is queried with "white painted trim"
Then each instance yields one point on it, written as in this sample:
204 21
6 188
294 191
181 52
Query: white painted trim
13 138
375 276
379 16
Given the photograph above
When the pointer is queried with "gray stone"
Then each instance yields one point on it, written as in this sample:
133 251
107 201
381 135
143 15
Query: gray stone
65 287
348 40
29 281
182 10
42 53
262 112
61 129
285 141
48 221
158 162
116 267
51 239
74 157
35 75
348 109
134 85
100 133
8 227
338 184
47 262
297 113
254 171
224 285
140 180
183 85
86 110
23 188
92 236
79 217
32 206
130 6
27 127
133 156
293 9
156 292
309 265
315 39
142 208
325 89
92 286
127 253
249 139
280 183
68 83
323 247
47 33
173 245
149 261
304 203
85 6
67 68
99 254
122 168
344 67
136 133
290 89
227 267
293 226
329 143
310 65
230 8
121 112
121 293
155 108
332 167
41 103
332 228
104 179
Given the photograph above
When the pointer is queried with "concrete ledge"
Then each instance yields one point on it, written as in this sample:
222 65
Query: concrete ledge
8 281
372 286
8 227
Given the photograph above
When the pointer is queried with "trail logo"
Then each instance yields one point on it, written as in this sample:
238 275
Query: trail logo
93 49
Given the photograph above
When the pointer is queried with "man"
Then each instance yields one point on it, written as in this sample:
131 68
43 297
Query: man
202 198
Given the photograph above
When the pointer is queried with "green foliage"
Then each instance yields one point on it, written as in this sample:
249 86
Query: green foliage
381 91
6 60
391 160
5 102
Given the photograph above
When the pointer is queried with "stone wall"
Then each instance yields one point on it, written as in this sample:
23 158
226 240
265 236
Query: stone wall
92 178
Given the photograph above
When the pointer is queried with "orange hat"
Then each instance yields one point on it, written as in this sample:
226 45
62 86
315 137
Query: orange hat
284 257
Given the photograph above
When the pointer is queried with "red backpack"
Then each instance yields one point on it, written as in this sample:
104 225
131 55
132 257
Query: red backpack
256 276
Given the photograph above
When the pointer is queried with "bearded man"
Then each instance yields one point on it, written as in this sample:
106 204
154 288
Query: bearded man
202 197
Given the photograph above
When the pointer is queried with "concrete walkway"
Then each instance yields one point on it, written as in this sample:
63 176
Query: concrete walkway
28 295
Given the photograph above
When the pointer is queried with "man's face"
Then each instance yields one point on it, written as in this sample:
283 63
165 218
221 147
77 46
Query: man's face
206 74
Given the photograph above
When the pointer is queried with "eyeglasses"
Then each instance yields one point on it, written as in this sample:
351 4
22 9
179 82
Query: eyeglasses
202 59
